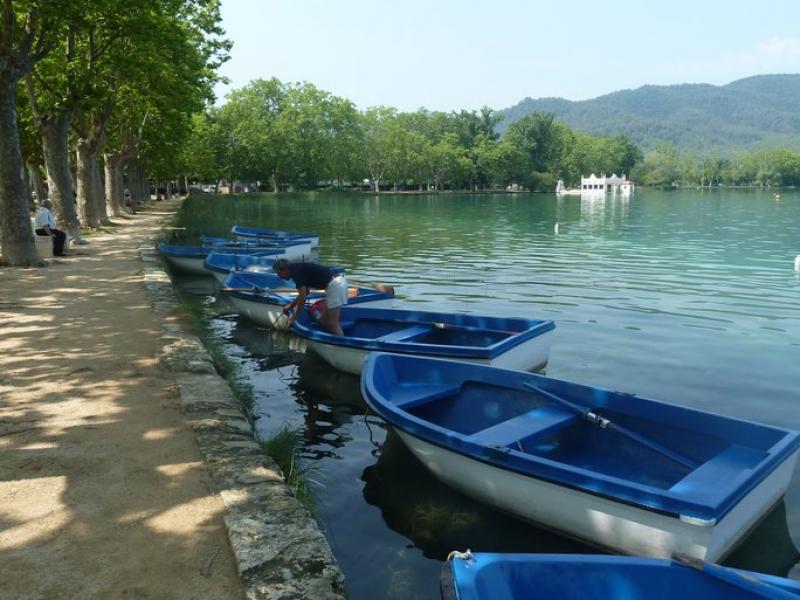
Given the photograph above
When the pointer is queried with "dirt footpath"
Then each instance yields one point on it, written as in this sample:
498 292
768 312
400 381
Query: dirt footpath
103 492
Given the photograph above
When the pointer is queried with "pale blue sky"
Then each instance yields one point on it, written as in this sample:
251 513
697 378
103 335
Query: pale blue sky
449 55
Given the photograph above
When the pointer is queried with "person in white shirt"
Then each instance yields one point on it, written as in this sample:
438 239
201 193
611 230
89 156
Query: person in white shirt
45 224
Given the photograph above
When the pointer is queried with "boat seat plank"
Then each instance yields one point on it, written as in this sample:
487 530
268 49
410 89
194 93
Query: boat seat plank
402 334
409 396
536 421
733 463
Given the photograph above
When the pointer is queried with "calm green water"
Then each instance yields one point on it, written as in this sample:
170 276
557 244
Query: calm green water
687 297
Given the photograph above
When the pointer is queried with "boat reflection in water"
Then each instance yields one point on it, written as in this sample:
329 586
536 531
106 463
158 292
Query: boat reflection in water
438 519
330 400
769 548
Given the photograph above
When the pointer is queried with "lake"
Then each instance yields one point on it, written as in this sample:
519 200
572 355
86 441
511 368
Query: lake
689 297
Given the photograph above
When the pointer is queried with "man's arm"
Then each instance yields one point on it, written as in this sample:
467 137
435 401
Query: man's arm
297 304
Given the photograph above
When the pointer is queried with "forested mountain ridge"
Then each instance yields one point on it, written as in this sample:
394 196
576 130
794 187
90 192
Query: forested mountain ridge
755 112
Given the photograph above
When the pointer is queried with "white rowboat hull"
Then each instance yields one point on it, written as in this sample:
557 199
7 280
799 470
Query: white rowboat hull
188 264
601 521
531 355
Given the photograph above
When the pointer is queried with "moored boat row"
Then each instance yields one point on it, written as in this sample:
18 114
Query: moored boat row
624 473
191 259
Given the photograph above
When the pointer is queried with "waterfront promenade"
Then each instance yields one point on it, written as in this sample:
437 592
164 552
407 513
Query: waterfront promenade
103 491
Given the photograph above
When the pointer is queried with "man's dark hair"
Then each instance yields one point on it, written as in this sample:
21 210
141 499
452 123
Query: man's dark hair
280 264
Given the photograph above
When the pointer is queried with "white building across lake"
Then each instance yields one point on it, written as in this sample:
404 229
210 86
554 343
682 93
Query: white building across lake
595 186
606 184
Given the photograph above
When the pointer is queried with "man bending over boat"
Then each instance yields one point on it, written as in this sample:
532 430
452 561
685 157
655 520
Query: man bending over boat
308 276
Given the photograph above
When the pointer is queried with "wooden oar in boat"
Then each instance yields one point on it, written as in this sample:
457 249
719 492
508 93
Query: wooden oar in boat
604 423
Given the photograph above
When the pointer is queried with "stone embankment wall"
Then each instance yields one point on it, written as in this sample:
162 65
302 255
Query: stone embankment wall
279 548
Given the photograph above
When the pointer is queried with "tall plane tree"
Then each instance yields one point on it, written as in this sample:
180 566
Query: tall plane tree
28 32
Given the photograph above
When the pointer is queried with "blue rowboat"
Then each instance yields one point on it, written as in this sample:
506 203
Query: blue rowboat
487 576
261 297
619 471
191 258
294 249
509 342
220 263
244 233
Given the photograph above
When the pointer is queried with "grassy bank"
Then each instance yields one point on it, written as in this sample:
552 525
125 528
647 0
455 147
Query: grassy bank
285 445
198 315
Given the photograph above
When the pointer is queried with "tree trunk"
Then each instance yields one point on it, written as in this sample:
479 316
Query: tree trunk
186 183
27 185
115 186
139 187
86 163
91 198
55 145
99 194
15 219
35 176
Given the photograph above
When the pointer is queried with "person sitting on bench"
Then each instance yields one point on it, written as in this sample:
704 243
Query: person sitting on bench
45 224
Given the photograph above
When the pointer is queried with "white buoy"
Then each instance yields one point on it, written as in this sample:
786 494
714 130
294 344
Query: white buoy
556 230
797 263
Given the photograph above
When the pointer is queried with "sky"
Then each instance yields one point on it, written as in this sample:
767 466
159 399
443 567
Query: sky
450 55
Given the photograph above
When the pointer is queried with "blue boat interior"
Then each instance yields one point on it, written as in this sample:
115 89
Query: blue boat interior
267 279
596 578
229 261
256 286
245 231
436 333
257 280
205 251
250 243
521 420
494 410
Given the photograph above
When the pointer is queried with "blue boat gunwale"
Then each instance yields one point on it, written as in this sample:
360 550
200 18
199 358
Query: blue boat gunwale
203 251
461 575
210 265
256 232
559 473
533 328
280 299
215 242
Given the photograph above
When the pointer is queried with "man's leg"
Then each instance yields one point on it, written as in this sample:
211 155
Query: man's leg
58 242
330 320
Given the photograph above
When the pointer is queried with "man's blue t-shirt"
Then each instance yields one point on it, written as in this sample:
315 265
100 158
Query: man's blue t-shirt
310 275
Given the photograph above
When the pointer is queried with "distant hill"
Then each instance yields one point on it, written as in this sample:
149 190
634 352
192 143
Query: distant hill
756 112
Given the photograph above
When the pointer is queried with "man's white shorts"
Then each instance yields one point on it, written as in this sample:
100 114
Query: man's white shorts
336 292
